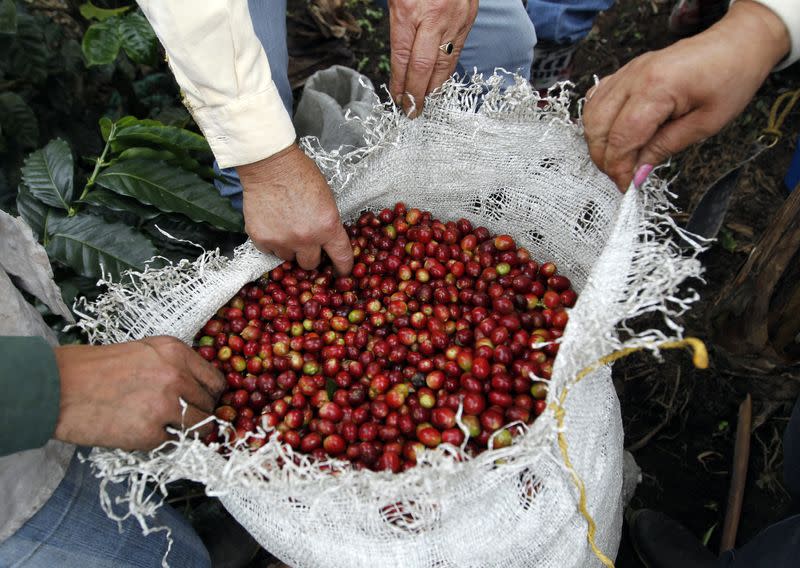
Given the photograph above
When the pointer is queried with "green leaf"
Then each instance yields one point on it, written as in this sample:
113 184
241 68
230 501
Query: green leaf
171 190
727 240
330 387
105 127
182 159
18 120
48 173
87 242
76 286
92 12
8 17
151 132
708 533
138 39
180 227
184 229
146 153
115 202
32 210
26 56
101 43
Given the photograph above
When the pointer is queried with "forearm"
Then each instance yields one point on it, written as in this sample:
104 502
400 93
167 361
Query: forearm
756 24
784 19
29 381
224 76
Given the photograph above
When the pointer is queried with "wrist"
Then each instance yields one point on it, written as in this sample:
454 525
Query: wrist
761 30
267 168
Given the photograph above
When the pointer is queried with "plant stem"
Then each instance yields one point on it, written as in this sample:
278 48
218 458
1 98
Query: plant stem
99 163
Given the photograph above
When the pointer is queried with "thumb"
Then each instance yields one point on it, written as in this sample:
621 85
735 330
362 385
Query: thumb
672 137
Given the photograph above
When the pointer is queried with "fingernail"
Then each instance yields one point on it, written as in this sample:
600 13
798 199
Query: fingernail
641 174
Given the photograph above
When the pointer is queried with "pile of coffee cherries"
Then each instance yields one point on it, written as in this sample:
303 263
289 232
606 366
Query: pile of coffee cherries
372 367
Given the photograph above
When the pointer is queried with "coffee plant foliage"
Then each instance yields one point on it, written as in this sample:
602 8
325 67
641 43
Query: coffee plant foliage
101 200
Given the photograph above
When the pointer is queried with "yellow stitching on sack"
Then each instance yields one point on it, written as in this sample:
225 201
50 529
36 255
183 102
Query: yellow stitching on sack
700 360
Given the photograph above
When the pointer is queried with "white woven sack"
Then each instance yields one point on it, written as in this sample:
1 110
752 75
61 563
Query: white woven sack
517 165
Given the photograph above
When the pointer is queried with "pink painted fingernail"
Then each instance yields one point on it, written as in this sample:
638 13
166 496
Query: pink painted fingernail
641 174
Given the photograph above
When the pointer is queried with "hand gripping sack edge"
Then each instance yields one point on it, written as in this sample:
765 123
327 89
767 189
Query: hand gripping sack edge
517 164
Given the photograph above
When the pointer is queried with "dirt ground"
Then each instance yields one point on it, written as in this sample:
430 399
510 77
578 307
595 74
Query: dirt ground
680 423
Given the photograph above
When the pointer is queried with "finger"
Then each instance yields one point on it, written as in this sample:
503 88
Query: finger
637 122
599 115
206 376
340 251
445 64
192 416
308 257
673 137
196 394
270 247
281 252
284 253
591 92
421 65
401 38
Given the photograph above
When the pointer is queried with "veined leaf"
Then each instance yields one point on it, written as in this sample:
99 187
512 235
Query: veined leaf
171 190
92 12
101 43
76 286
138 39
116 202
146 153
32 210
184 229
105 127
87 242
26 56
180 159
8 17
142 132
48 173
18 120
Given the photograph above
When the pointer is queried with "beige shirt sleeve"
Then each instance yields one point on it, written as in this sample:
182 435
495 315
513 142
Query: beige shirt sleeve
224 76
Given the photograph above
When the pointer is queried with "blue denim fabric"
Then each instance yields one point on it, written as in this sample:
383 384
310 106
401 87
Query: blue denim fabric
777 546
72 531
269 23
565 21
793 175
502 36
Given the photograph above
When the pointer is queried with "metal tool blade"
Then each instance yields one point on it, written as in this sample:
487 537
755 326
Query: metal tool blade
709 213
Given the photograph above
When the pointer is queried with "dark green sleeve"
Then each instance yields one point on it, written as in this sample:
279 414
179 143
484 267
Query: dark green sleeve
30 391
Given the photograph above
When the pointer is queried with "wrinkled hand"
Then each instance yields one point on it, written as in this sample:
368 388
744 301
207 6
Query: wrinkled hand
123 396
664 101
417 28
289 210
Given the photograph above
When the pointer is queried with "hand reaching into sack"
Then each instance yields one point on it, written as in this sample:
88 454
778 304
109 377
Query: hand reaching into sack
289 210
663 101
422 32
123 396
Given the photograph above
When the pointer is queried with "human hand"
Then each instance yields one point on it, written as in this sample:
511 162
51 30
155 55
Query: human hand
123 396
289 210
416 29
663 101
